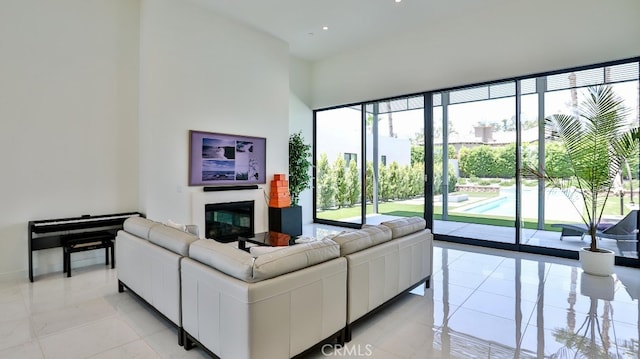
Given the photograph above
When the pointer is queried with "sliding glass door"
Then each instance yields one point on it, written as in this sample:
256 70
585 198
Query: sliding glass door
338 165
466 150
388 181
395 159
563 93
474 167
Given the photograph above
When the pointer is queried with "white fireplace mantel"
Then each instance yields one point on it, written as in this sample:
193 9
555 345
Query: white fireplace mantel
199 199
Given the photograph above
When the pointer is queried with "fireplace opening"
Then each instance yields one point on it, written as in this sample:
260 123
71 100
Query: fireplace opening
225 222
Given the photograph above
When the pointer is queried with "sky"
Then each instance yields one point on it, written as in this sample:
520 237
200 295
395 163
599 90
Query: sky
465 116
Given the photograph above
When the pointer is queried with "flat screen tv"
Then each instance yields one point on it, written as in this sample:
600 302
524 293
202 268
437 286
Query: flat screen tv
218 159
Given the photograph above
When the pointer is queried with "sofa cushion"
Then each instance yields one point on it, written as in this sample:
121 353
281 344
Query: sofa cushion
139 226
260 250
402 226
351 242
172 239
227 259
289 259
176 225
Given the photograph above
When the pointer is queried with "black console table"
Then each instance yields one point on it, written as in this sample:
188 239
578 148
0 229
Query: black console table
52 233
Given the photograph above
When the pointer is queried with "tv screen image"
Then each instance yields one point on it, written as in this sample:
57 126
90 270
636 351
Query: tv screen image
226 159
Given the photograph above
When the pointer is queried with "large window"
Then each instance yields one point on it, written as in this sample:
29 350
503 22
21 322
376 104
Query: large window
479 139
474 162
395 135
389 183
338 181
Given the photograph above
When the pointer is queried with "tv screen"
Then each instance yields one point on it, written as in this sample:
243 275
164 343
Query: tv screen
224 159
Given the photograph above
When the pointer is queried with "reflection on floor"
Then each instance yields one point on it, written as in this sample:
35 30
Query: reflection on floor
482 303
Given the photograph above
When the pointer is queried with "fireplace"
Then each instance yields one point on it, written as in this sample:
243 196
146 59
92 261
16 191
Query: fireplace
225 222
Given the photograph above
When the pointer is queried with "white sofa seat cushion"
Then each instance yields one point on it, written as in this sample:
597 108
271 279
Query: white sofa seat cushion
232 261
351 242
172 239
292 258
139 226
403 226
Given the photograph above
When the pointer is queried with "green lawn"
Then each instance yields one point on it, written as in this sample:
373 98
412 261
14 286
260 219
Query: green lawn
408 210
402 209
390 208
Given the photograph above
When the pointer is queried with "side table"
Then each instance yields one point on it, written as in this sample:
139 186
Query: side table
271 238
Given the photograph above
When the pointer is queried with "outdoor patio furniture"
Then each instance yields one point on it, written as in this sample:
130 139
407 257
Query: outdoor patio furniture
625 229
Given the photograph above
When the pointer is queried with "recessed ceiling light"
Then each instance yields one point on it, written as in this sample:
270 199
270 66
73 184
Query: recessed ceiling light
325 28
398 0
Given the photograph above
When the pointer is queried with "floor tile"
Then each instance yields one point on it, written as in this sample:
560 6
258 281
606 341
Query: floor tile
481 303
87 340
29 350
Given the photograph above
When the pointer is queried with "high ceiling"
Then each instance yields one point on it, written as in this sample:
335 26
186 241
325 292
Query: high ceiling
350 22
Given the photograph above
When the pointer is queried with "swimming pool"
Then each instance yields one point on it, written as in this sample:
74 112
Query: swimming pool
557 205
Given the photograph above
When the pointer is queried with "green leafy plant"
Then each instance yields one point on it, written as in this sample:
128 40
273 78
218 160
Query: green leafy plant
339 176
325 183
353 183
597 139
299 164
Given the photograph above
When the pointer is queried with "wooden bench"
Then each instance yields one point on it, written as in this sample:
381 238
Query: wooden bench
73 243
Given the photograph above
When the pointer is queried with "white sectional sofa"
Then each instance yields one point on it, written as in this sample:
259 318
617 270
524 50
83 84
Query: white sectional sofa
277 304
149 258
384 261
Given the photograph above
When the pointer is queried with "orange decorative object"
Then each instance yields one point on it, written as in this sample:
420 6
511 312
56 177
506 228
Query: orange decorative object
279 196
277 239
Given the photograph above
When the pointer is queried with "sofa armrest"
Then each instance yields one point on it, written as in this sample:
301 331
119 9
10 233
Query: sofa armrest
152 272
379 273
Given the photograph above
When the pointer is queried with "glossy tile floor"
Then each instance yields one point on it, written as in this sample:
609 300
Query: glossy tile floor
482 304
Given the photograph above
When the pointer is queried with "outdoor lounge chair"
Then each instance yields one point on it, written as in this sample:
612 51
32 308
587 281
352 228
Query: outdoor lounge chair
625 229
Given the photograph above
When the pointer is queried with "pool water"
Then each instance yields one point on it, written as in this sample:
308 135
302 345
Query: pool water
557 205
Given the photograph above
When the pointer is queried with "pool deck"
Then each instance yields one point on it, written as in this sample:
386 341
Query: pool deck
532 237
540 238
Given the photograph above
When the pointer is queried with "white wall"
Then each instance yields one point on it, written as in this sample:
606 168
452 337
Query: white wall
68 107
203 72
516 38
301 119
77 74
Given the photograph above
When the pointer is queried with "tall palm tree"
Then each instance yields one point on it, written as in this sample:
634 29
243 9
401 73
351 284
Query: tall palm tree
598 138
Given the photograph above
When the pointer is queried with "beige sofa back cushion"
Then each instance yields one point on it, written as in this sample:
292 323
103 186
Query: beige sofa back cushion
292 258
139 226
351 242
227 259
172 239
242 265
403 226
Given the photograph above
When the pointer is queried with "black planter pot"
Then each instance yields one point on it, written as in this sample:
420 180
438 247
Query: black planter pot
286 220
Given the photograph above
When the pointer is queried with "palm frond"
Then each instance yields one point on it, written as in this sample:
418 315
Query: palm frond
597 138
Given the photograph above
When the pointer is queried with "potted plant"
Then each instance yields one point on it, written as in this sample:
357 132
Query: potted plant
299 164
597 139
289 219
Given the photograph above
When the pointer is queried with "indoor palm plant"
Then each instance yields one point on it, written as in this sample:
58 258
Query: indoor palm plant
597 139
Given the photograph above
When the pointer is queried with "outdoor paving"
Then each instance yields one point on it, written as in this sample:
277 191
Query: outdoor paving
548 239
532 237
